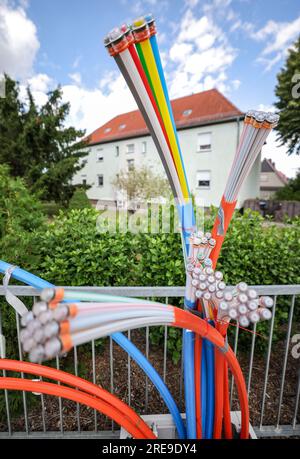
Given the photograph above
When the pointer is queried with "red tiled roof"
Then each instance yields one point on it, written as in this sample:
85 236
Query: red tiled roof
205 106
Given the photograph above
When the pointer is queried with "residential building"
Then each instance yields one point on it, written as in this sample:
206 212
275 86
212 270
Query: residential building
209 127
271 179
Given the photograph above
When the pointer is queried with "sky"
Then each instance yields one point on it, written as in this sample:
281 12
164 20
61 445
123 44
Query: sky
237 46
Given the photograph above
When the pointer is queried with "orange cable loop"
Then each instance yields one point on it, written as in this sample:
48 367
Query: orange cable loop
126 413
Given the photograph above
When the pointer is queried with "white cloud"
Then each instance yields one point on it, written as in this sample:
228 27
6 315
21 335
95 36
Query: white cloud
278 37
191 3
90 108
179 50
40 84
18 41
75 77
199 57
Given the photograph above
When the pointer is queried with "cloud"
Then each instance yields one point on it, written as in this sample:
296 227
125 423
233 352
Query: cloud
40 84
75 77
278 37
199 57
90 108
19 43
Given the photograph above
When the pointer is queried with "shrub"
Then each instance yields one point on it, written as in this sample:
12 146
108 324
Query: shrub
71 252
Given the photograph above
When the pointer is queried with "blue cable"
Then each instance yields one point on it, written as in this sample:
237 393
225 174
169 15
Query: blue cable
188 337
156 53
189 384
36 282
203 388
210 389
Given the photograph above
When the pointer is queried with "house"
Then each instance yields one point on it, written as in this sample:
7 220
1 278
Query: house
209 127
271 180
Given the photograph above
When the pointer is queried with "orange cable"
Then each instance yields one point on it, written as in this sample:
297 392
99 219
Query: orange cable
125 411
185 319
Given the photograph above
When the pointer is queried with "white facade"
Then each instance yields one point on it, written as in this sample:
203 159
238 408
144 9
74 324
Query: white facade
208 152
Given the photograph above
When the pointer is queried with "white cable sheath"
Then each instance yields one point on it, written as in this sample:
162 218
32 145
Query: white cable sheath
95 320
96 333
135 76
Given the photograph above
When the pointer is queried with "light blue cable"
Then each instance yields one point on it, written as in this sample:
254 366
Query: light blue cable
38 283
210 388
189 383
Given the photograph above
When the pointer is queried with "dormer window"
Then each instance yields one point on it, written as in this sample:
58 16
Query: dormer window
187 112
107 130
122 126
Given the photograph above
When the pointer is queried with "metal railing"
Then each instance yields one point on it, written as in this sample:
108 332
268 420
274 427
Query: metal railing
272 378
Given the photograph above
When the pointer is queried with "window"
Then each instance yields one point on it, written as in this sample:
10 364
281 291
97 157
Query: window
107 130
187 112
144 147
130 148
264 177
84 181
117 150
130 164
203 179
99 154
122 126
100 180
204 141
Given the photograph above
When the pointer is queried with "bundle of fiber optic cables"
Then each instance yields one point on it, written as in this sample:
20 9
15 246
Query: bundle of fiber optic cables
63 319
136 53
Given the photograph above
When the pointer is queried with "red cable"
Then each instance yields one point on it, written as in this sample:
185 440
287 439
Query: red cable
197 359
219 393
143 76
226 406
76 396
126 413
185 319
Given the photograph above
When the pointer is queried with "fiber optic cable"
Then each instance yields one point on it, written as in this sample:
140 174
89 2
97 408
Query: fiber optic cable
257 126
149 59
87 387
181 319
156 53
126 344
75 395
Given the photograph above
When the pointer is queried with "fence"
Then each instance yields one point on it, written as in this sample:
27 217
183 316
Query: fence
277 209
272 378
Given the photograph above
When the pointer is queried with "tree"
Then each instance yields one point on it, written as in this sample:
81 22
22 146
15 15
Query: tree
79 199
37 146
288 103
141 184
291 191
19 209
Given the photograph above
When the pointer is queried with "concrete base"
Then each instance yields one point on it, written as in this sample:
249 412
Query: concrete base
164 427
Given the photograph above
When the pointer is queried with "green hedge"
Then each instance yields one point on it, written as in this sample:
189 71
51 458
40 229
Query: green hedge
70 251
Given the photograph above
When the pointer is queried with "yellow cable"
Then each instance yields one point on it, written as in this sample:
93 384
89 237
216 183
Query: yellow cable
147 51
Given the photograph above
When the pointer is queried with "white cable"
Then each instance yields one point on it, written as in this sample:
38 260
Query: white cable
89 335
81 323
137 81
